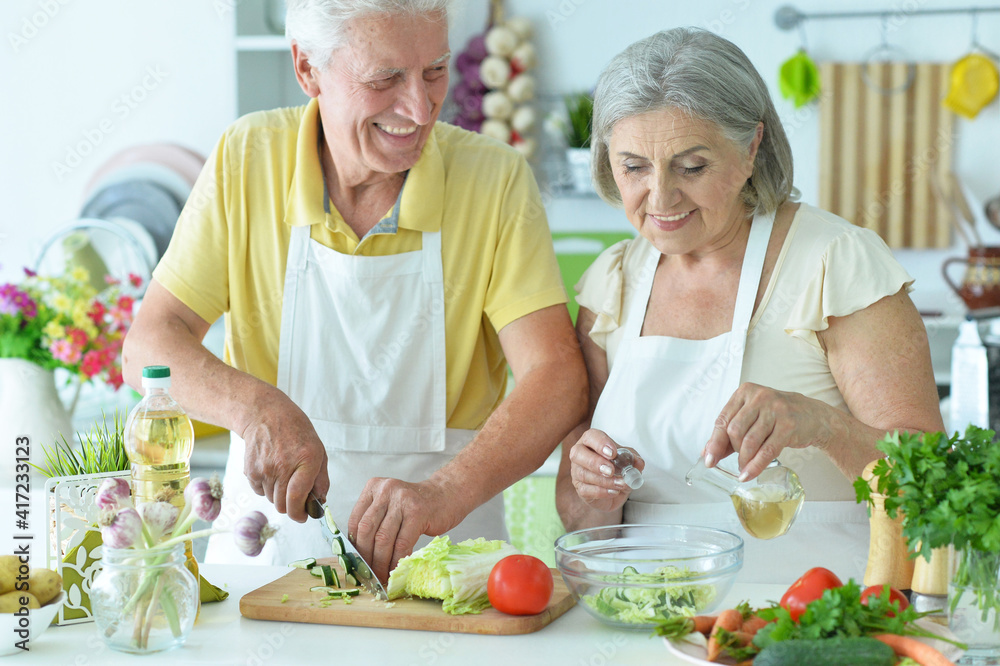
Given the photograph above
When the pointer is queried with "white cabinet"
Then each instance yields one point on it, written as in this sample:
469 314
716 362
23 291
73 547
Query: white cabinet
264 75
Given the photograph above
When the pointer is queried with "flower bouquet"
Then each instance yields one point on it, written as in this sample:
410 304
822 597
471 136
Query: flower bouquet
64 322
145 600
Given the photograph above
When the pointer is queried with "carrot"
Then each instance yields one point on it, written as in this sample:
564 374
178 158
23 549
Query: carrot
905 646
753 624
703 623
730 620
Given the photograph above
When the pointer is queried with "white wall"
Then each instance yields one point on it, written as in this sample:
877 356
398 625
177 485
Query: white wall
65 79
96 77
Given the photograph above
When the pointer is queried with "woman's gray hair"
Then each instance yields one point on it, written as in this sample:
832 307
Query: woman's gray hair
707 77
318 25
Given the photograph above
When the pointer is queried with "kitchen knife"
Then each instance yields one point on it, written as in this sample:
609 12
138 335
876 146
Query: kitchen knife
332 534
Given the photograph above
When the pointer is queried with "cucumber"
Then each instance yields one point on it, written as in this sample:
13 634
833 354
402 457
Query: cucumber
351 579
305 563
337 544
330 576
346 563
317 571
331 522
862 651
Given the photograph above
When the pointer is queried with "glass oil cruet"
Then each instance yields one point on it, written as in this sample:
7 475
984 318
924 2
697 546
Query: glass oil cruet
766 505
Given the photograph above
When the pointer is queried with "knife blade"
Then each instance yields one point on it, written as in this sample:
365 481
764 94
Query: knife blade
360 568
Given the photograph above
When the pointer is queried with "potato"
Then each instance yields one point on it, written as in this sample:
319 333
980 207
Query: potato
45 584
11 602
8 572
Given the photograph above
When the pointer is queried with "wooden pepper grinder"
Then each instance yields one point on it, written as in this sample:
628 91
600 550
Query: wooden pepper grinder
930 581
888 555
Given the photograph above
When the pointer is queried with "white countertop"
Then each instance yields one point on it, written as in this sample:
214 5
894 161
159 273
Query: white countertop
223 636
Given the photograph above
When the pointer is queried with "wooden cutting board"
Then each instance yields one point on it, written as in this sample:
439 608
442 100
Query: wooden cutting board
265 603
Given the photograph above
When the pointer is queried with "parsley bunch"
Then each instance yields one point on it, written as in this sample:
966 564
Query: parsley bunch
948 493
840 613
947 489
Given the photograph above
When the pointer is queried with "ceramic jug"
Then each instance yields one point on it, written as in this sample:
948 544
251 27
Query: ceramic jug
980 287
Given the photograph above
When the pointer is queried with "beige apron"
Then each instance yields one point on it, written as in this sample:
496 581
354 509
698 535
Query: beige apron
362 352
662 398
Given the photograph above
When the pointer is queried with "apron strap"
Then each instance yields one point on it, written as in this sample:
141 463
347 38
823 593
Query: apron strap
753 266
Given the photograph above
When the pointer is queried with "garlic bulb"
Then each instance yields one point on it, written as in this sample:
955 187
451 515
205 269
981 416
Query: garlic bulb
501 41
521 88
525 56
494 72
497 105
496 129
523 119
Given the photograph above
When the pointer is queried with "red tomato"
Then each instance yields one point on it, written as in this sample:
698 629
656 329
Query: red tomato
894 595
808 588
520 585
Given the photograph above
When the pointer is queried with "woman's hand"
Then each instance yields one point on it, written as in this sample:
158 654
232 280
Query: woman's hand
593 471
759 422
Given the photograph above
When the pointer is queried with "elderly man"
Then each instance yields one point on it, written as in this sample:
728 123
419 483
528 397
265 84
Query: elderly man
377 270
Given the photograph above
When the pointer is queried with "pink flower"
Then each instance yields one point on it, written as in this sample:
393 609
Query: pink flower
63 350
97 312
126 302
135 280
115 378
111 280
93 363
121 317
30 273
77 337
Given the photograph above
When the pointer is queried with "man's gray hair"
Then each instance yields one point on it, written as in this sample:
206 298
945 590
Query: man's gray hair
707 77
318 25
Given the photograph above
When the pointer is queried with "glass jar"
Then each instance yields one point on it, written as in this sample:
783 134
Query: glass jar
144 600
974 604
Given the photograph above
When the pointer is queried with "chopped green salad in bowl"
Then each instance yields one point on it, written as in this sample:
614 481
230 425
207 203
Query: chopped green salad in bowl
633 576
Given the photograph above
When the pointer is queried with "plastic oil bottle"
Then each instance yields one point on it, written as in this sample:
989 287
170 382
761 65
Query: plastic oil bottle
159 438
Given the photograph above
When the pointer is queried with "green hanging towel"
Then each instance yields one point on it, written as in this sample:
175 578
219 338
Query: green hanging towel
798 79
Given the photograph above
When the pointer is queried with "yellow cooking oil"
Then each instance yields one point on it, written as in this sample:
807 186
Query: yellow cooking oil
159 439
766 511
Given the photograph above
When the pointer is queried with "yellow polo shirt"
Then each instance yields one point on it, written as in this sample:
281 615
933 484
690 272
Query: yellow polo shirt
229 249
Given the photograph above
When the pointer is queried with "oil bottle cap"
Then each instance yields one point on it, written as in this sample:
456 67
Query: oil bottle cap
156 376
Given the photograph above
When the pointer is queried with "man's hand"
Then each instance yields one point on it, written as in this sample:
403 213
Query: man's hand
285 459
391 515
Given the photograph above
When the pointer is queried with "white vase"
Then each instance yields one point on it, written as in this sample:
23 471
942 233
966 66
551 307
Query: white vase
31 416
578 161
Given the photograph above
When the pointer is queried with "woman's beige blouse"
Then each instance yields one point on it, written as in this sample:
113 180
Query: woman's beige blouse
827 267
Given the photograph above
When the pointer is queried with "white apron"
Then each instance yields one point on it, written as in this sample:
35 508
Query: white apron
662 398
362 353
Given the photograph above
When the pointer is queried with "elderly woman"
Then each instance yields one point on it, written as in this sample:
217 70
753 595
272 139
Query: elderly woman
377 271
737 320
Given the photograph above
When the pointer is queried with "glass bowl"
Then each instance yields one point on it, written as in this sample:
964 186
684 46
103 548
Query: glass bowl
632 576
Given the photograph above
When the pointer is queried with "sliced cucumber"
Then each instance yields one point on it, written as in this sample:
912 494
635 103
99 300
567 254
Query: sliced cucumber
317 571
331 522
630 570
343 594
305 563
351 579
346 563
329 575
323 588
338 545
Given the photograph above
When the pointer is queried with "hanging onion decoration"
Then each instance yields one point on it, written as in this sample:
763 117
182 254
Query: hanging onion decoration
494 89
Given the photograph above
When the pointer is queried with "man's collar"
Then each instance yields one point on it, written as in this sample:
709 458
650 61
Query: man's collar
422 203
